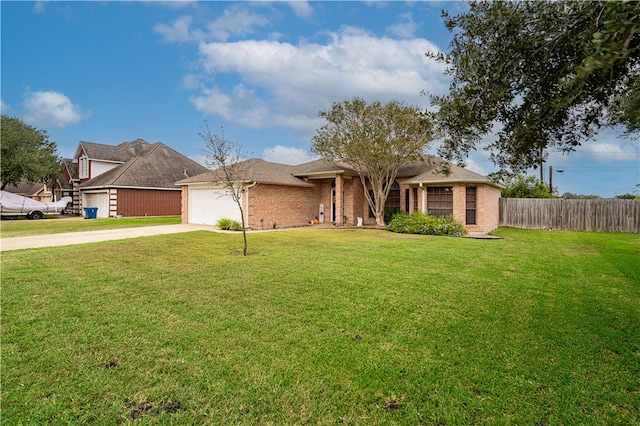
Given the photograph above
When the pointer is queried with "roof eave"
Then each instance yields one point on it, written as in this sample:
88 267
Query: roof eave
443 182
100 187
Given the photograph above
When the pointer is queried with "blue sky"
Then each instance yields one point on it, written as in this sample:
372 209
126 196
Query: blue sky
110 72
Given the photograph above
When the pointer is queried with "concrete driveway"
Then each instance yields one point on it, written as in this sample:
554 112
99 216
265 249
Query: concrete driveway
70 238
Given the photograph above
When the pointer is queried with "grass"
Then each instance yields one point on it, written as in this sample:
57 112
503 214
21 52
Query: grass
21 226
323 326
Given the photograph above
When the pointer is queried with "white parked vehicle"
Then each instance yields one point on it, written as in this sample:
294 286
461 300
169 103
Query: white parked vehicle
17 205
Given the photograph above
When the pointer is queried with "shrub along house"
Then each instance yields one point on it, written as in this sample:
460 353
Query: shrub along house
333 193
130 179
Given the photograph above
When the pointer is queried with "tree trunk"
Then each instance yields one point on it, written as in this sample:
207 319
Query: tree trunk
244 230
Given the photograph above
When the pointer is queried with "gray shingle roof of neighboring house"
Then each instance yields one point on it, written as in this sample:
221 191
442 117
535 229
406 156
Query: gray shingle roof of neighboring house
116 153
253 170
27 189
150 166
72 169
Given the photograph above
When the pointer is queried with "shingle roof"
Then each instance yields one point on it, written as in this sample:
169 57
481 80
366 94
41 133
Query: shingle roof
72 168
26 188
427 171
319 167
118 153
151 166
433 174
253 170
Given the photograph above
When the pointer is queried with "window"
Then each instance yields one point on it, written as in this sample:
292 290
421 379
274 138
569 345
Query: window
440 200
471 205
393 200
371 215
84 168
406 200
415 199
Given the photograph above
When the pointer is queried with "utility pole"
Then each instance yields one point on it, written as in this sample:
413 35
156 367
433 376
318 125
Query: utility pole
541 166
550 179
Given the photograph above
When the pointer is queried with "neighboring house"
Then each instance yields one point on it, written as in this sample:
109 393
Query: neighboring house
130 179
333 193
34 190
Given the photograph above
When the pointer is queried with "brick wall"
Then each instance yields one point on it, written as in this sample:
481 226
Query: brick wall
148 202
360 204
491 207
285 205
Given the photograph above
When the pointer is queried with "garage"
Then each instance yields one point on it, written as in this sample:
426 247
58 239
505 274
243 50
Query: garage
208 205
97 199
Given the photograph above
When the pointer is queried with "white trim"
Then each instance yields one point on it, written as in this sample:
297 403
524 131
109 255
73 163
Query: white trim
104 187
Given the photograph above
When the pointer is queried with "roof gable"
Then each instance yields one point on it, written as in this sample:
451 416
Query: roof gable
433 174
155 166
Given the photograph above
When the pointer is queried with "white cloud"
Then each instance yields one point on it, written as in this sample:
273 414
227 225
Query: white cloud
475 167
38 7
173 4
235 21
284 84
405 27
4 107
301 8
51 108
179 31
287 155
606 150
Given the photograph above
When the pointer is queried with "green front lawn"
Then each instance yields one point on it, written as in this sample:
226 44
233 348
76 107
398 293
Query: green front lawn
323 326
21 226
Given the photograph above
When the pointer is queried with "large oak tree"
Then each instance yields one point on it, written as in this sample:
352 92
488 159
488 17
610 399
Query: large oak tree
27 153
374 139
539 74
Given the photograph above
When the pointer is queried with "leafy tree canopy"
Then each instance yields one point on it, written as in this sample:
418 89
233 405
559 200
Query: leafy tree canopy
375 140
571 196
628 196
27 154
540 74
521 186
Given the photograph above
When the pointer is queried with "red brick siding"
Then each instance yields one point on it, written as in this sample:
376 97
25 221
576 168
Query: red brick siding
285 205
148 202
357 204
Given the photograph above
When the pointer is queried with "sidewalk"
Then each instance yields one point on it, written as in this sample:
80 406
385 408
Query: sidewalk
70 238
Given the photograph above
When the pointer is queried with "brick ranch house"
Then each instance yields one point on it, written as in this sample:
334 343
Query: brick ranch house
333 193
130 179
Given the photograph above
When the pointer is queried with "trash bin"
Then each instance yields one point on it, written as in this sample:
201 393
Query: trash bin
90 212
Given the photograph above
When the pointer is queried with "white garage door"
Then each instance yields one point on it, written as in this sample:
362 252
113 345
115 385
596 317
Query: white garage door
97 199
206 206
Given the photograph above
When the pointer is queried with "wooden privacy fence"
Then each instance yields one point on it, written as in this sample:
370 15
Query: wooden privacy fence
610 215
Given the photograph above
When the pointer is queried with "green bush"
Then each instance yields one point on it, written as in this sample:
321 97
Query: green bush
228 224
389 213
418 223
